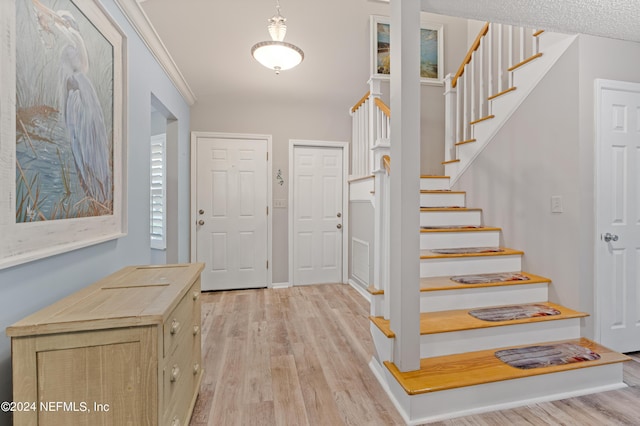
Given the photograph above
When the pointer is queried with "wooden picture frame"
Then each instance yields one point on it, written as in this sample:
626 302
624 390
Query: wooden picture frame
62 128
431 50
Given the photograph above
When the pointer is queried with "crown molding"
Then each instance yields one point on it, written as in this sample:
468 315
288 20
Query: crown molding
140 22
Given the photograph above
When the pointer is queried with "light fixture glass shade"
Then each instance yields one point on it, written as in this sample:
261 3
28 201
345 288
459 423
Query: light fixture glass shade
277 55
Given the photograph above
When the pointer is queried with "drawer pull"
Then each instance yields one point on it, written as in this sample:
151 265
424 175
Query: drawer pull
196 368
175 325
196 329
175 421
196 294
175 373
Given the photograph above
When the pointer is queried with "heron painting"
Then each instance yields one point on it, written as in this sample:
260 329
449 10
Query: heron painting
64 114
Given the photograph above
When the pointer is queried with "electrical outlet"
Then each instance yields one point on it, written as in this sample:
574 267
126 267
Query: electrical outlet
280 203
556 204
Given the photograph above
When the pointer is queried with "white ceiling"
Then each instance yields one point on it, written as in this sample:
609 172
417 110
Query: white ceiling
210 40
609 18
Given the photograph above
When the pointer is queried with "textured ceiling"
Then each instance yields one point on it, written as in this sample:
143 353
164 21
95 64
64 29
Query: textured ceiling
611 18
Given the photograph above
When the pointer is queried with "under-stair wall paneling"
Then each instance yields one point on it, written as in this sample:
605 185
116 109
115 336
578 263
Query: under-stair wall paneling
610 59
360 244
532 158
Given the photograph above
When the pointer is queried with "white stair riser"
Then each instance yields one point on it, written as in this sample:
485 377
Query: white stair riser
433 240
383 345
435 406
441 267
451 218
482 297
442 199
496 337
434 184
452 169
376 306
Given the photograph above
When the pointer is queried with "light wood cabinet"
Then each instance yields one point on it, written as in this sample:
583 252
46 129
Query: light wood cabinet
123 351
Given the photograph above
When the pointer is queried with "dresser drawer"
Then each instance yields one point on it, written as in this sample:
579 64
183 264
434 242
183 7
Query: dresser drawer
178 381
182 319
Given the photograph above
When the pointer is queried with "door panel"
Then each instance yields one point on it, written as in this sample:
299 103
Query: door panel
618 214
232 192
317 215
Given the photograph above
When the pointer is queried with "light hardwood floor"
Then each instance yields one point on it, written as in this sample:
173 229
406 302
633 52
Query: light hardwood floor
299 356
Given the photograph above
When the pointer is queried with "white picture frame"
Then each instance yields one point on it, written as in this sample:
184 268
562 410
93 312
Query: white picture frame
37 117
432 50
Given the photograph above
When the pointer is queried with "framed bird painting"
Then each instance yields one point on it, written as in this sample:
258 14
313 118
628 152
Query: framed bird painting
62 128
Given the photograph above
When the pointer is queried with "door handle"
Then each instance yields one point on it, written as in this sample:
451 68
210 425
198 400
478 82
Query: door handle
339 226
609 237
201 222
339 214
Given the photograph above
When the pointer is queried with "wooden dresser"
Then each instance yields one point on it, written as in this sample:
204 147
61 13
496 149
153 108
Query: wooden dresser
123 351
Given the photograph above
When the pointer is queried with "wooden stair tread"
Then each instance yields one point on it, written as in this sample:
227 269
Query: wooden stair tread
450 161
433 177
428 254
449 209
460 319
476 368
480 120
445 283
465 142
465 229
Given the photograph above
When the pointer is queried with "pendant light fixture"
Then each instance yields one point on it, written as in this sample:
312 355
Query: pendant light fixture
277 54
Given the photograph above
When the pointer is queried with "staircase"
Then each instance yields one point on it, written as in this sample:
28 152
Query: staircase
459 371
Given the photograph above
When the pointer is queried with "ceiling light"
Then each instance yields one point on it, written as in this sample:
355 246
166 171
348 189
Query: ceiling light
277 54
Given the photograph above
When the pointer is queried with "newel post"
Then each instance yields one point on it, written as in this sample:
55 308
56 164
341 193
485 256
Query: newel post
450 105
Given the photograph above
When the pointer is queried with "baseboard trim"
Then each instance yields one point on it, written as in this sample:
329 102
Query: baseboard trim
281 285
360 290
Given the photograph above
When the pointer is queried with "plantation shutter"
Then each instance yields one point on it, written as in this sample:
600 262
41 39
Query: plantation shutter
158 192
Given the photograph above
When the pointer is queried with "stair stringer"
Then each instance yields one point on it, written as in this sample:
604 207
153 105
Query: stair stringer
525 78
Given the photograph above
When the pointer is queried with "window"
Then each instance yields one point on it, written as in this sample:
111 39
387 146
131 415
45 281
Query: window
158 192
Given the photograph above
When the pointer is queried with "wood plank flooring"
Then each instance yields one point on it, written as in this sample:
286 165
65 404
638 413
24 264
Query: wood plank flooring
299 356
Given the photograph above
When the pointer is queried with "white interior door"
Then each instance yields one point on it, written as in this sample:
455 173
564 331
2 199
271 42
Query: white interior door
317 215
231 212
618 215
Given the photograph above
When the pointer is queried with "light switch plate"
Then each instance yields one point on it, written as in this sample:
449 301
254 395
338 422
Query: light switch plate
280 203
556 204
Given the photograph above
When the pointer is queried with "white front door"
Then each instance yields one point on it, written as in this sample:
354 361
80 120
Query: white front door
618 215
317 215
231 212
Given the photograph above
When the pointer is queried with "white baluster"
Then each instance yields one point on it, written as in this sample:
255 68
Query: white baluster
465 111
459 106
510 53
522 44
489 41
472 91
500 53
481 79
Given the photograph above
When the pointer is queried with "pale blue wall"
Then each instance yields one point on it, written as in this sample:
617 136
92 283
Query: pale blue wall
26 288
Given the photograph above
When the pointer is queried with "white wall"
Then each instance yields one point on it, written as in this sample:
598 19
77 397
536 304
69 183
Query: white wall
533 157
31 286
290 116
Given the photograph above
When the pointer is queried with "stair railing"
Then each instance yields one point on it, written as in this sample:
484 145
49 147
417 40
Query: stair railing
370 128
485 73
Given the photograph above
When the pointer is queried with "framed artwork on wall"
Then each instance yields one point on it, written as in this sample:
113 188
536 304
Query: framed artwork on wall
431 50
62 131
